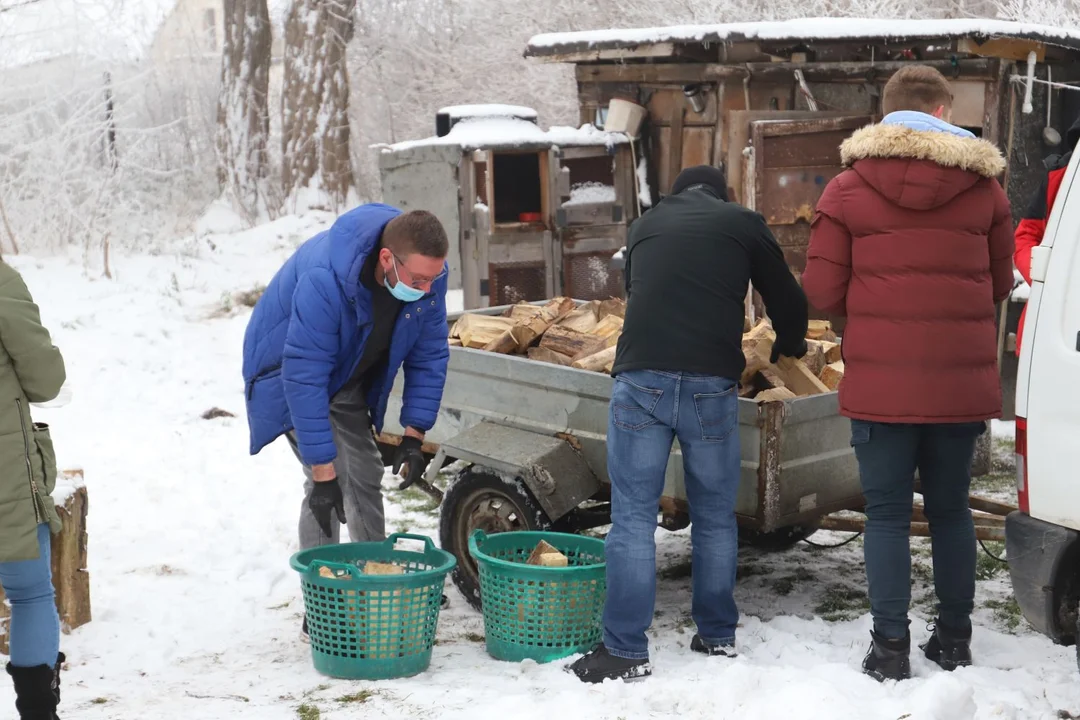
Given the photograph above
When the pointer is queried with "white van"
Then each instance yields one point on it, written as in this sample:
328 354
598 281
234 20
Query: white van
1043 538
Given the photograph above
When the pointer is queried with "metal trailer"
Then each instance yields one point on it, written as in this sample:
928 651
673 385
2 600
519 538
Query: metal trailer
532 438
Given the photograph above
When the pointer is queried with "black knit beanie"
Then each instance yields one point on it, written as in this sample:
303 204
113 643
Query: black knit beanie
702 175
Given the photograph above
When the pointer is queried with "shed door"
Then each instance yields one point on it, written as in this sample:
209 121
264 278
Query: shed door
788 164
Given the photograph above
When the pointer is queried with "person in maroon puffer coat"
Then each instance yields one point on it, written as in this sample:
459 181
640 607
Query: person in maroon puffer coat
913 244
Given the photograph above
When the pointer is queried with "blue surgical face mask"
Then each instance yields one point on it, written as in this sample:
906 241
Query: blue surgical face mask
400 290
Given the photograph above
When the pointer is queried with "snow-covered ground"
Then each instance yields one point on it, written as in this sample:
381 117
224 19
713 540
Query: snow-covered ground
196 612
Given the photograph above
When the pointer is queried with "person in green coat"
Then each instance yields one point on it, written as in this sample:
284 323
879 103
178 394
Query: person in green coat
31 371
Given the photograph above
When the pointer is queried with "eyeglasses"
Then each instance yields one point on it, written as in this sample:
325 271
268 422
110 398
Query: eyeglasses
416 279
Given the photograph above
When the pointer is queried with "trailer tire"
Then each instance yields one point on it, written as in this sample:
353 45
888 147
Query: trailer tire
778 539
478 498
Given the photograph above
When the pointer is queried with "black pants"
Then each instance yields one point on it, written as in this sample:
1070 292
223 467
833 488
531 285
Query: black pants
888 455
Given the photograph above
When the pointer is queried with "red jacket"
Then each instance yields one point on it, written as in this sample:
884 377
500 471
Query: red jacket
1029 232
914 245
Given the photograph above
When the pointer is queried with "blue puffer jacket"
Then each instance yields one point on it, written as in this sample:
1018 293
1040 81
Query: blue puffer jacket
307 333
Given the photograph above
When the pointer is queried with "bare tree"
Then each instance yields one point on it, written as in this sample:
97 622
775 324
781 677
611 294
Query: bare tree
315 97
243 115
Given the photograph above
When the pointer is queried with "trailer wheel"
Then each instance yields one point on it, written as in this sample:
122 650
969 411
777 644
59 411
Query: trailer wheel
779 539
481 499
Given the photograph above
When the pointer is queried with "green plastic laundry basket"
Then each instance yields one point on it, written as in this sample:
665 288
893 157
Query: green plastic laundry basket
539 613
372 627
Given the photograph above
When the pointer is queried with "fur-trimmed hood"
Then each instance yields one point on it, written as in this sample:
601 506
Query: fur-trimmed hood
919 169
896 141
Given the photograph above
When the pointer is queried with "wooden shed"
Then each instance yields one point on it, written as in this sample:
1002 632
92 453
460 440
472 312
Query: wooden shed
770 102
531 213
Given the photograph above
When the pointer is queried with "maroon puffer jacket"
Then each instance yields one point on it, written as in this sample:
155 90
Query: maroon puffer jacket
913 244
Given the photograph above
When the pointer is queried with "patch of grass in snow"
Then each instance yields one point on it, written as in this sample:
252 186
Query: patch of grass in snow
358 697
996 483
308 711
921 572
784 585
475 637
841 602
1006 612
749 569
677 571
986 567
99 701
413 500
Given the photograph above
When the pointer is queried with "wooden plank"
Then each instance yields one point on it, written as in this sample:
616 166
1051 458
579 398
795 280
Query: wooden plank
697 146
664 101
678 112
657 50
969 103
718 146
850 71
661 155
1004 48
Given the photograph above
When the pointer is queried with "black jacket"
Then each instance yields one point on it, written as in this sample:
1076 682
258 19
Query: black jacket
688 264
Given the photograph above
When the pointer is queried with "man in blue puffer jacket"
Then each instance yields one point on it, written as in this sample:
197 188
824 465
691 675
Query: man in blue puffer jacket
323 345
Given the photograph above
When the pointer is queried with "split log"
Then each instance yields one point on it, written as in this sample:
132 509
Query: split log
599 361
798 377
528 331
832 352
547 555
543 354
454 342
523 311
608 326
505 343
815 356
571 342
832 374
69 546
821 330
476 331
778 393
583 319
771 379
71 581
613 306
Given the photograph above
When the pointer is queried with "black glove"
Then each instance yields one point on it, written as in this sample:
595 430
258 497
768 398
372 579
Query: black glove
409 455
793 352
324 499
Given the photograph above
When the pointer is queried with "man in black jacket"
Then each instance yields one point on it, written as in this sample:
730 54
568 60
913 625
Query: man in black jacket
689 261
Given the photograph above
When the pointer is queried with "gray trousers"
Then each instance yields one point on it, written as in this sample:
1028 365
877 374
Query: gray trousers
359 468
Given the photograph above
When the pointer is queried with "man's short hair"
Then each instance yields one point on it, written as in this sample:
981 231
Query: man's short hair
916 87
417 231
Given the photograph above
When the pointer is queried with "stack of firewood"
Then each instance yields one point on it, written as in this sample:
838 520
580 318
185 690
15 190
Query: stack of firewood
819 371
557 332
585 337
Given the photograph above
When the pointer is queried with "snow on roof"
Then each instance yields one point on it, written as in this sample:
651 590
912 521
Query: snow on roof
482 133
801 29
118 30
488 110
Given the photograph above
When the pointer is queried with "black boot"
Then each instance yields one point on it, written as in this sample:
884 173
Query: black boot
948 648
700 646
598 665
888 658
37 690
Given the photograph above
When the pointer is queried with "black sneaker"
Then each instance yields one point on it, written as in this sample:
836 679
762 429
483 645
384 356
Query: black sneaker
598 665
700 646
948 648
444 603
888 658
304 635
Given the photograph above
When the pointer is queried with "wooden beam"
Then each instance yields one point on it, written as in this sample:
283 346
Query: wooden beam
678 114
659 50
1005 48
682 73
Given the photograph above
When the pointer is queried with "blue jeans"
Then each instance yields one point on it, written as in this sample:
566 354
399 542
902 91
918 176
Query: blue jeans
888 456
35 625
649 408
